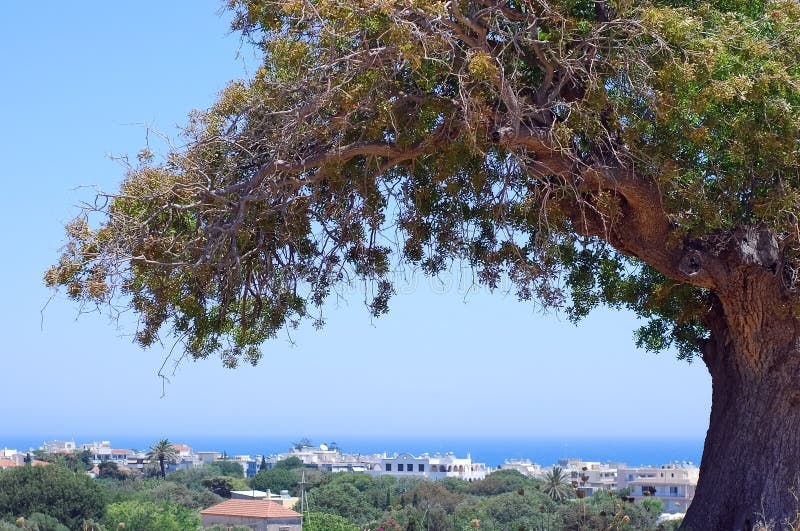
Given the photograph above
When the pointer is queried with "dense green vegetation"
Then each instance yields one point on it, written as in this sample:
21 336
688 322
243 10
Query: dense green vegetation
53 490
285 475
55 498
505 500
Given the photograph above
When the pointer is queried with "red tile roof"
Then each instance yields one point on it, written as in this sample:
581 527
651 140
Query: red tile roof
9 463
181 447
250 509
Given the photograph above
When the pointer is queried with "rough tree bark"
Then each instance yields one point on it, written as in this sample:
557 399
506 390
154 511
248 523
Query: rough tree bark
751 458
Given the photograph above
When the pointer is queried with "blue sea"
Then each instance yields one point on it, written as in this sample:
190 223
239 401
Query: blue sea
492 451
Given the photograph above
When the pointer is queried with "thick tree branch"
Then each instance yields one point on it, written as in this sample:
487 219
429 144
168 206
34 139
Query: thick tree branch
392 151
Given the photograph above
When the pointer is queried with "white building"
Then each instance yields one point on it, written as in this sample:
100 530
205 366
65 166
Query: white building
431 466
591 476
101 451
674 484
283 498
332 460
312 456
526 467
183 452
204 458
58 446
120 455
5 453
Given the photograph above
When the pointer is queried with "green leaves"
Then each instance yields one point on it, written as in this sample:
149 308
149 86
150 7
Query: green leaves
597 275
725 127
518 139
143 516
52 490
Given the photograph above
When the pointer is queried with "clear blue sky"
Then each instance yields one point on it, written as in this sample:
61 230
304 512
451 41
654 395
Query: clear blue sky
79 81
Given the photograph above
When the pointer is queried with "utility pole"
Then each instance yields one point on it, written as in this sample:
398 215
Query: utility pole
303 498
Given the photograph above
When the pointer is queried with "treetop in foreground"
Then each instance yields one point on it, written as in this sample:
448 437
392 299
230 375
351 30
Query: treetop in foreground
636 154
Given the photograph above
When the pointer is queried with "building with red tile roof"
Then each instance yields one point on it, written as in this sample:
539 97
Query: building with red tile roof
260 515
13 462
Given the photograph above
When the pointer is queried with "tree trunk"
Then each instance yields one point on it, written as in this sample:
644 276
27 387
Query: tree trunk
751 460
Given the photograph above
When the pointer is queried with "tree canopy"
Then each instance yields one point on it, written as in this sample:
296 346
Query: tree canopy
640 154
163 452
145 516
519 138
52 490
276 480
228 468
557 485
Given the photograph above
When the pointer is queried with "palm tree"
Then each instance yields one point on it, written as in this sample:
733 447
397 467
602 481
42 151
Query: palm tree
557 486
164 452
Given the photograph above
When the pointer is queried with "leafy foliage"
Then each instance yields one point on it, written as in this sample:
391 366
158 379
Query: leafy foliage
495 136
501 504
345 500
228 468
110 469
290 463
191 478
605 511
77 461
501 481
276 480
557 485
511 510
40 522
51 490
163 452
146 516
316 521
177 494
221 486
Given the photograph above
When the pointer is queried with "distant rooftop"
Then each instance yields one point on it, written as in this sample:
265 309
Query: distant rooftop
250 509
250 492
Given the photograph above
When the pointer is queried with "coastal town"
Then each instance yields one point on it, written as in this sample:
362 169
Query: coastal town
673 484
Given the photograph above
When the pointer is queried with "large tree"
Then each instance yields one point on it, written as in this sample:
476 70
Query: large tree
639 154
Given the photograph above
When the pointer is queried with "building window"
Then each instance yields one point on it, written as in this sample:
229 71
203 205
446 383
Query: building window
421 468
673 491
388 467
399 467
